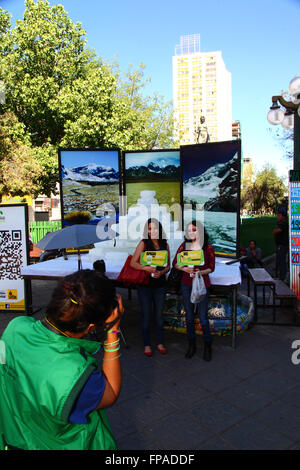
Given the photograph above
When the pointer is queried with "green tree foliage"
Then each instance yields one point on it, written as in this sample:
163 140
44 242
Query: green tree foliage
45 55
266 193
20 170
63 95
5 24
143 122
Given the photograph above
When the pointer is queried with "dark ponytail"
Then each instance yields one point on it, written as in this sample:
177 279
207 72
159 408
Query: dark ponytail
80 299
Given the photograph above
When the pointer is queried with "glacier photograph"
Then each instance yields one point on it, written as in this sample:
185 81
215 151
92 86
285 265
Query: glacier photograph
152 166
211 176
157 171
90 185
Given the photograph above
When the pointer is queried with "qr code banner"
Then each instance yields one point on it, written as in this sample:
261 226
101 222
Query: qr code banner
10 254
13 255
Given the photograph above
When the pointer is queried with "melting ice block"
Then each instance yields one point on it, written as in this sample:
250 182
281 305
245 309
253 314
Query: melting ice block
130 231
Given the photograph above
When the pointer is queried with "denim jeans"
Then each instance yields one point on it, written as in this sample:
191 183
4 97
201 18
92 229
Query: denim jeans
146 296
244 269
201 311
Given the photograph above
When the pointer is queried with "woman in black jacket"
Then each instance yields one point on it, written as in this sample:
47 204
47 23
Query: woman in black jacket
154 239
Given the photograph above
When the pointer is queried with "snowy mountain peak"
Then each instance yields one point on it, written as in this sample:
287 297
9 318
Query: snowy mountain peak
216 187
92 173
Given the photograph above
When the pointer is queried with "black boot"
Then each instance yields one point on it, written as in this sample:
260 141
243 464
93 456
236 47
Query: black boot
207 351
192 348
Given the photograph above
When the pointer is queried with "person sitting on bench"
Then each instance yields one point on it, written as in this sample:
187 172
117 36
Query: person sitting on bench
253 255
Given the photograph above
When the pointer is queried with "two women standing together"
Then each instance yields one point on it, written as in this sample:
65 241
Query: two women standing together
154 239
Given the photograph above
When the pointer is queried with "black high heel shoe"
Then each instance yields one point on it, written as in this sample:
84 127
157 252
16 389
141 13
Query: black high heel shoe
192 348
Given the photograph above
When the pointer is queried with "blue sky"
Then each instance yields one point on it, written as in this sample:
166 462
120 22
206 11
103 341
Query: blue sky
259 41
72 159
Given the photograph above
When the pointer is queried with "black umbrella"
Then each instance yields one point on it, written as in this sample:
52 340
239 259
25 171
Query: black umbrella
73 236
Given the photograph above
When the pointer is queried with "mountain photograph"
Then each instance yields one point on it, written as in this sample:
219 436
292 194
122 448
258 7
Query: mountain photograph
90 183
157 171
153 172
216 188
152 166
91 174
211 185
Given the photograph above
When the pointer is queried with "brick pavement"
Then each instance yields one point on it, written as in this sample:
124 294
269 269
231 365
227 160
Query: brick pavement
246 398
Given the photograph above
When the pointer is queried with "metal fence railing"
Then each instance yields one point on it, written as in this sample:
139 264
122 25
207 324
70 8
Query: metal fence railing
38 230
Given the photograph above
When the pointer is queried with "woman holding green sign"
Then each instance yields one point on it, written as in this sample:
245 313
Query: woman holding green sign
196 238
154 240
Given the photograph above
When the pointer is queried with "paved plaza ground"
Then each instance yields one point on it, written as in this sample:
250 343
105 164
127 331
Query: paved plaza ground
247 398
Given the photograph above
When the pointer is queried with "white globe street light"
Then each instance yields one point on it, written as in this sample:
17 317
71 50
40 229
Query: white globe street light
294 90
288 121
287 113
275 115
295 98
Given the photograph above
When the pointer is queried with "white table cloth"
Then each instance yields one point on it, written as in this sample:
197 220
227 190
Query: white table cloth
223 275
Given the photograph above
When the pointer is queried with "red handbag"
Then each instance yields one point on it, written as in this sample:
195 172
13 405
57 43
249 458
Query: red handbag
130 276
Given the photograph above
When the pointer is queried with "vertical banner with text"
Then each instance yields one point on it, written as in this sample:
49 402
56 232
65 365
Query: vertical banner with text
13 255
294 230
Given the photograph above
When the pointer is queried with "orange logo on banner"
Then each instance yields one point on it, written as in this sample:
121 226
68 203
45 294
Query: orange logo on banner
12 294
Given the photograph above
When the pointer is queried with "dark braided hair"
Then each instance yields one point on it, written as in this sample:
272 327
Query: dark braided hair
80 299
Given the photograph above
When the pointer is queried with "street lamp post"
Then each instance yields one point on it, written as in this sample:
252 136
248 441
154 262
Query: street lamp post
285 110
297 141
289 117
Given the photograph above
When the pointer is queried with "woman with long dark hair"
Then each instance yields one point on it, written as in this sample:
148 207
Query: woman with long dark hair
196 238
52 391
154 239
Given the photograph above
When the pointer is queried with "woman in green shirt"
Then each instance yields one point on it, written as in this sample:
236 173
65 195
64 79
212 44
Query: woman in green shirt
52 394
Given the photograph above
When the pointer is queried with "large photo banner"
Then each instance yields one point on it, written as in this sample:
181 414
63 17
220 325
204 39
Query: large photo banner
90 185
294 230
211 191
157 172
13 255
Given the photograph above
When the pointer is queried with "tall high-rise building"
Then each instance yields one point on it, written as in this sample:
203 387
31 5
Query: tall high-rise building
201 87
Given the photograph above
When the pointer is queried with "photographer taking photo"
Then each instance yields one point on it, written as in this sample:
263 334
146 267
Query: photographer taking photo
52 393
